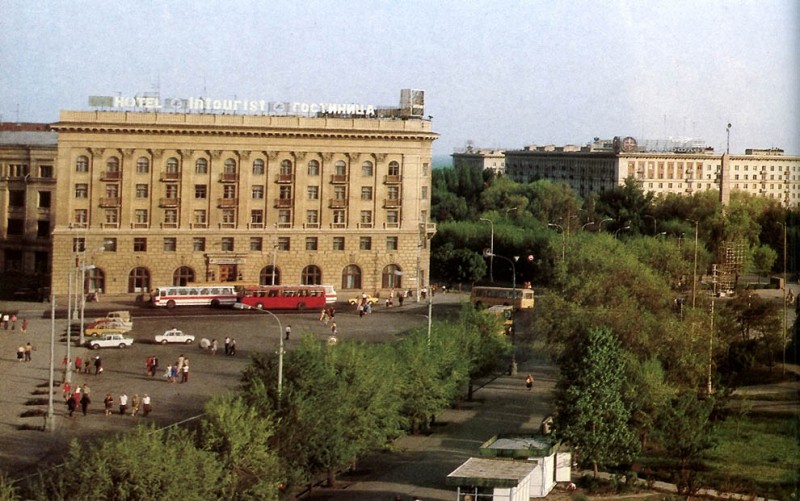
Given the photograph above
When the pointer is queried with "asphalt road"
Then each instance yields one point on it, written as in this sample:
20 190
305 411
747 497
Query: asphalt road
24 395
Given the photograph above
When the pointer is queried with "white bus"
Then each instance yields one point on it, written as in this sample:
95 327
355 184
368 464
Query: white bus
195 294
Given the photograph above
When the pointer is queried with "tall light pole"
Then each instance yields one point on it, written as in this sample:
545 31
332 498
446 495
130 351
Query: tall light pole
50 422
694 272
274 256
655 223
491 250
563 240
513 370
785 287
243 306
728 146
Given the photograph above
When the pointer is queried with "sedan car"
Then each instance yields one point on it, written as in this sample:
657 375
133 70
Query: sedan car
174 336
102 328
360 299
109 341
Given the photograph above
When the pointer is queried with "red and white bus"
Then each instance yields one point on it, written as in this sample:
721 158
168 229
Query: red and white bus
195 294
283 297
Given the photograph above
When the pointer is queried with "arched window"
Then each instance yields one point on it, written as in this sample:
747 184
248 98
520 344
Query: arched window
340 168
351 277
394 168
230 166
172 165
286 167
312 275
183 276
201 166
112 164
95 280
82 164
313 168
366 169
139 280
143 165
392 277
269 276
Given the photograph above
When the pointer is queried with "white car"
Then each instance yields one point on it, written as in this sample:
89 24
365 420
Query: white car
109 341
174 336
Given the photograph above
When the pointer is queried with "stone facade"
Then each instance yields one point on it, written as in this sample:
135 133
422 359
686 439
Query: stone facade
153 199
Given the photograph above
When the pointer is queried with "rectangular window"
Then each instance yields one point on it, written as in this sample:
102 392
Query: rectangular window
171 191
16 198
424 193
339 217
81 190
170 244
199 244
112 190
226 244
142 166
82 164
257 192
141 216
200 191
200 216
229 191
44 199
257 216
365 243
110 244
285 217
311 243
391 243
141 191
42 229
312 217
78 244
81 217
366 193
284 243
256 244
393 193
366 217
286 193
140 244
338 243
171 216
340 193
46 171
392 217
16 226
313 192
425 169
111 216
229 216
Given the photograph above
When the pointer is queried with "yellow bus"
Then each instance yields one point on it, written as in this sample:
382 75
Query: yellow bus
484 297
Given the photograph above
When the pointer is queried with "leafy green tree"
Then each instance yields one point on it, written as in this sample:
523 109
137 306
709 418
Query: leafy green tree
240 437
140 465
591 414
457 265
764 258
625 205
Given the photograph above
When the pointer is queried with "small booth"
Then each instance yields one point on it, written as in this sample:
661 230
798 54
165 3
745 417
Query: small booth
512 468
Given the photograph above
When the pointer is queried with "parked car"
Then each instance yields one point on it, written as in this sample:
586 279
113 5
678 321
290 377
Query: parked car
358 299
174 336
122 317
109 341
102 328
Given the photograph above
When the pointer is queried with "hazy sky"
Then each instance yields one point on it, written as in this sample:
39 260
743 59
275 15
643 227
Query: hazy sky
495 73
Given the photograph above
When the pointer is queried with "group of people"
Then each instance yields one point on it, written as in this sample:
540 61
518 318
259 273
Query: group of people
327 315
81 396
85 364
178 370
9 320
24 352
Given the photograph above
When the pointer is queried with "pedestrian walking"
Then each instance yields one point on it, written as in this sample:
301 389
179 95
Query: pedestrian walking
288 331
146 407
123 403
20 353
98 365
214 346
135 404
71 404
13 322
78 363
85 401
108 402
66 390
185 371
24 326
400 299
333 328
173 373
529 382
5 321
233 348
28 352
227 344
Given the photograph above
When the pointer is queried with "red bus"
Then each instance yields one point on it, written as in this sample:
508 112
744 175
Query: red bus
283 297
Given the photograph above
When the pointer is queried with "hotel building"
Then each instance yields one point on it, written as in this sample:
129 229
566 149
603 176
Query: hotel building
147 199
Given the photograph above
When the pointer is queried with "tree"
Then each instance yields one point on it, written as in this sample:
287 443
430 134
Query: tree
625 204
457 265
764 258
591 414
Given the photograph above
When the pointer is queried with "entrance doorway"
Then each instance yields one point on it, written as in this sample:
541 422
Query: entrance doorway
227 273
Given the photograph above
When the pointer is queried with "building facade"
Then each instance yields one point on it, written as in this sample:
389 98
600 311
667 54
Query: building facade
762 173
483 159
27 201
154 199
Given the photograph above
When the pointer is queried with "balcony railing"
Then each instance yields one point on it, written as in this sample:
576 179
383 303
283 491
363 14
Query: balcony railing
311 225
284 178
227 202
338 178
284 202
337 203
255 226
169 225
109 225
108 175
391 225
169 202
392 179
391 202
170 176
365 225
199 225
110 202
227 177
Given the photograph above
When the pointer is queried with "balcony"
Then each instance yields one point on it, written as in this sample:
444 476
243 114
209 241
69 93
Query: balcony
284 202
227 225
391 202
283 225
170 176
109 225
284 178
391 225
110 175
429 229
392 179
255 226
199 226
337 203
170 225
110 202
227 202
365 226
338 226
339 178
311 226
228 177
169 202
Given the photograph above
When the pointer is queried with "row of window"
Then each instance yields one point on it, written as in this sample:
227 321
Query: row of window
141 217
256 244
22 170
16 198
230 166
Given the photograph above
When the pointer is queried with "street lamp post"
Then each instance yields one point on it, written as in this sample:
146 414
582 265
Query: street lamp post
655 223
280 345
604 221
513 370
50 422
587 224
563 240
694 271
785 287
624 228
274 256
491 249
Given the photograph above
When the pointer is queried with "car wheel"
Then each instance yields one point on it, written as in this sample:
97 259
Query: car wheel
215 303
95 346
301 306
122 345
259 306
163 341
188 341
170 304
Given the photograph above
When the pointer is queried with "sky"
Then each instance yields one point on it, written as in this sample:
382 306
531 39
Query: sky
496 74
